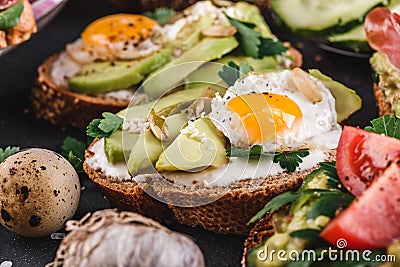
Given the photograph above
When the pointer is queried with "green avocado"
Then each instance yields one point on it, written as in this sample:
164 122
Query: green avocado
144 154
388 77
347 102
251 14
199 145
190 34
10 17
115 149
103 77
165 104
207 74
207 49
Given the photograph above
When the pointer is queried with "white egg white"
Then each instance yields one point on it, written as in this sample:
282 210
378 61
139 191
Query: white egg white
318 127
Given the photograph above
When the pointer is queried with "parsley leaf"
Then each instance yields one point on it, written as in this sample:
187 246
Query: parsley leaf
104 127
387 125
254 153
161 15
290 160
5 153
253 43
74 150
231 72
287 160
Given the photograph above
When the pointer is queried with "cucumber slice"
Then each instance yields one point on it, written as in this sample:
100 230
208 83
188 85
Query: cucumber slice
322 17
9 18
353 40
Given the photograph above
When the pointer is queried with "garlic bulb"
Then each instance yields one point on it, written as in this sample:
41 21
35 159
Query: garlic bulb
109 238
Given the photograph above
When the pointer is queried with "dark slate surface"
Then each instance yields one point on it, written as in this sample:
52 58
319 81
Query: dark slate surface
20 128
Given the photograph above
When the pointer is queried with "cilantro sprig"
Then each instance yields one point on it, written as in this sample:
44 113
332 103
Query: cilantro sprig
8 151
74 150
253 43
231 71
287 160
161 15
387 125
104 128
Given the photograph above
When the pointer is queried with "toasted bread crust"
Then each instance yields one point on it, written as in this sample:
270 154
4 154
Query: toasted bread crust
383 106
61 106
227 214
22 31
261 230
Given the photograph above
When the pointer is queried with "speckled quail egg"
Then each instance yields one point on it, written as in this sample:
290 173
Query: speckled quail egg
39 192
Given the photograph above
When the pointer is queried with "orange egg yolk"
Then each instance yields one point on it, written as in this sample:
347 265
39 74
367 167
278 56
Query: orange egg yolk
118 28
265 114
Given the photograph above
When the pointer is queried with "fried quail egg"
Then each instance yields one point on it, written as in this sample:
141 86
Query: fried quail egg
39 192
118 36
268 109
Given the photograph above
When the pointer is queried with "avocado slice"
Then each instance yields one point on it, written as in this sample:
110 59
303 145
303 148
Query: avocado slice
349 102
167 103
199 145
144 154
190 34
103 77
251 14
207 74
206 50
10 17
115 149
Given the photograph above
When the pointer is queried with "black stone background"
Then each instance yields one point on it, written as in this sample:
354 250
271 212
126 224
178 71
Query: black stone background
18 127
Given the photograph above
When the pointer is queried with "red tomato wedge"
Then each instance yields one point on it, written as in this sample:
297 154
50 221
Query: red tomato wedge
383 34
362 156
371 221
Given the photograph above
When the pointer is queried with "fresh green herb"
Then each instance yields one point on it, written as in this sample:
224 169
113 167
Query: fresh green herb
161 15
324 201
387 125
290 160
253 43
231 72
287 160
5 153
328 204
74 150
104 127
254 153
291 197
329 169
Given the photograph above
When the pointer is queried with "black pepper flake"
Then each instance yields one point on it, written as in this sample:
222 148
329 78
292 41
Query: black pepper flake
5 215
34 221
55 193
42 168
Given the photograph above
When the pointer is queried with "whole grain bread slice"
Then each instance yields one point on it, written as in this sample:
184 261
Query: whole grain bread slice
228 213
62 106
383 106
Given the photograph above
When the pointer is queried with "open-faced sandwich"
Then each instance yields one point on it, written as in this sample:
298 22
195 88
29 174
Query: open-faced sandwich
17 22
101 70
382 27
213 159
350 204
